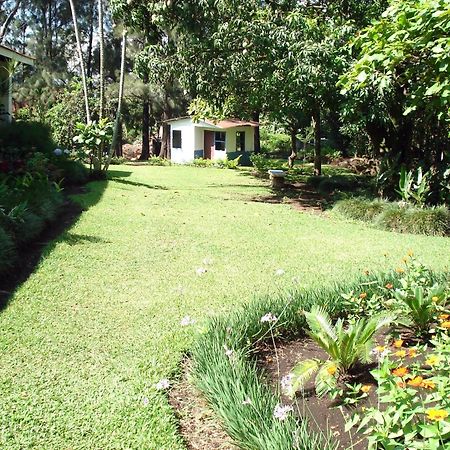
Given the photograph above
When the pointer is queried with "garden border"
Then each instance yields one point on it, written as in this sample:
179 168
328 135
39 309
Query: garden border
226 373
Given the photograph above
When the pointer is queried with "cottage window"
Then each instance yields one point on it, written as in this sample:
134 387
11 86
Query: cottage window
240 141
176 139
219 143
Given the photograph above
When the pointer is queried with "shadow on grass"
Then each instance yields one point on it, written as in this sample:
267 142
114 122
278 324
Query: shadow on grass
138 184
77 200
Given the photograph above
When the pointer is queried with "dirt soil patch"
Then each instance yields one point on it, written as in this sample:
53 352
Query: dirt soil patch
198 424
321 412
300 196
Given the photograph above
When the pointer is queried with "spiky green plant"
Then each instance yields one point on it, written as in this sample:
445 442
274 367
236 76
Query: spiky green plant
346 346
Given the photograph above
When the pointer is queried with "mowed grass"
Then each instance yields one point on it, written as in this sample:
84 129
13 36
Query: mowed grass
98 323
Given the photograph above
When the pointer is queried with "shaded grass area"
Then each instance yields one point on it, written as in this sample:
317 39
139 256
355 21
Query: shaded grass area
84 339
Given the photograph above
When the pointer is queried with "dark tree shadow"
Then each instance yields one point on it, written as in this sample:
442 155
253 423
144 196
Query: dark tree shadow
77 239
77 200
138 184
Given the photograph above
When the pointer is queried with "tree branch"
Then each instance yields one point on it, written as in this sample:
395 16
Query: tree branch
4 27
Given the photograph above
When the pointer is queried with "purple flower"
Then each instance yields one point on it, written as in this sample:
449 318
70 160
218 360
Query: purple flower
286 383
145 401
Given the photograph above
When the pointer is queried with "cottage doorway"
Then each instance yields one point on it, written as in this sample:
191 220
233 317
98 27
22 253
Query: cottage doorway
209 143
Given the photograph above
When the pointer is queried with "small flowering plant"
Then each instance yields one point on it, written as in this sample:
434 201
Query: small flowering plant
414 401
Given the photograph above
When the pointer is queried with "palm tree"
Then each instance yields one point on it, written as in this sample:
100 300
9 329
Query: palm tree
101 36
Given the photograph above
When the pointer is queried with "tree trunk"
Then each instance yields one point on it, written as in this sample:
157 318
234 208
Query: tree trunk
293 155
257 135
101 37
317 143
90 42
117 122
81 62
145 125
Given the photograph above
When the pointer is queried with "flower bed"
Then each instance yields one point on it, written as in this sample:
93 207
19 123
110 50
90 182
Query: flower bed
413 415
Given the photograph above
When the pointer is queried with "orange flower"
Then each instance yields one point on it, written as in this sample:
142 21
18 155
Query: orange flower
437 414
389 286
435 298
444 316
401 353
410 253
400 270
427 384
445 324
412 352
405 259
416 381
380 348
398 343
400 371
363 295
332 370
401 384
366 388
432 360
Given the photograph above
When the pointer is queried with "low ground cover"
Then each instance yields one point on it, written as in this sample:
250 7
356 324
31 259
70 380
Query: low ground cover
86 339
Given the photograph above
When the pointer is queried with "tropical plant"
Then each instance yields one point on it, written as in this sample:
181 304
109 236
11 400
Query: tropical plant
414 189
346 346
92 137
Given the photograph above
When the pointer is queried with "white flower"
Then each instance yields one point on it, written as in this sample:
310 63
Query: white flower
279 272
186 321
269 317
228 351
145 401
201 271
163 384
57 152
207 261
286 383
247 401
281 411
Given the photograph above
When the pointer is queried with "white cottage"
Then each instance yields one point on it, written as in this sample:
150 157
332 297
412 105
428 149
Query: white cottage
206 139
7 58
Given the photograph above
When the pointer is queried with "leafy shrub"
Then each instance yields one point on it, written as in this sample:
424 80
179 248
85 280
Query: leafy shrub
201 162
19 139
414 189
434 221
227 163
414 406
70 172
7 251
157 161
359 208
275 143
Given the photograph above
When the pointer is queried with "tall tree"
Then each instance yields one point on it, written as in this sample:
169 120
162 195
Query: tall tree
81 62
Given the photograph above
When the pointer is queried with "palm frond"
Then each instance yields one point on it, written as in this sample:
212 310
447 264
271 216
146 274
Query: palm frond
319 321
302 372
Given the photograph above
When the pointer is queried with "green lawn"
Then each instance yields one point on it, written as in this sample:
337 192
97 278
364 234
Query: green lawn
98 323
